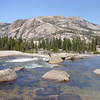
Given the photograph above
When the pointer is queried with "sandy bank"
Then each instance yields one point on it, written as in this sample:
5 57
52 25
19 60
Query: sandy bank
16 53
9 53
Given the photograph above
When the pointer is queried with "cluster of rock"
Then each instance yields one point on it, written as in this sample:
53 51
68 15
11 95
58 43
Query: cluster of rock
59 75
7 75
58 58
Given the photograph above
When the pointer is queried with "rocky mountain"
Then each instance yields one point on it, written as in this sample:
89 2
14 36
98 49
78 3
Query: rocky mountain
4 28
50 26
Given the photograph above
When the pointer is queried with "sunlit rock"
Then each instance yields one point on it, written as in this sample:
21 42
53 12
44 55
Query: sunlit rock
7 75
97 71
57 75
74 57
55 60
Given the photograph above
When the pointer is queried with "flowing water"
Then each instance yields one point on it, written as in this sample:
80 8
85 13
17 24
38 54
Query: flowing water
84 84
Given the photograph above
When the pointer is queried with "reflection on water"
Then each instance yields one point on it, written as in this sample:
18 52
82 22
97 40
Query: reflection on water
84 85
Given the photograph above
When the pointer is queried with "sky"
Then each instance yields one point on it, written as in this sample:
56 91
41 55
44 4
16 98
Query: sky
10 10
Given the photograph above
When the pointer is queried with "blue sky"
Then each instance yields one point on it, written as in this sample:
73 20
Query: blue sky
11 10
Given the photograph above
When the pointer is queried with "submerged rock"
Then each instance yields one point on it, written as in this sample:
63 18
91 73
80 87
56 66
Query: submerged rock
97 71
55 60
58 97
18 68
69 97
57 75
45 98
7 75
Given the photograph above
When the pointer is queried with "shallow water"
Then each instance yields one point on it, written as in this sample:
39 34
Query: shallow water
84 84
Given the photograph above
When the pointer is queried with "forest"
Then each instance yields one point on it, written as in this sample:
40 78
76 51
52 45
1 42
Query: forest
55 45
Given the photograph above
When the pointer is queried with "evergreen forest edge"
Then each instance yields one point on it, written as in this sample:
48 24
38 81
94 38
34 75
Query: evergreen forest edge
55 45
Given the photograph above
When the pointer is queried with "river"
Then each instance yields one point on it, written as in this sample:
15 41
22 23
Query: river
84 84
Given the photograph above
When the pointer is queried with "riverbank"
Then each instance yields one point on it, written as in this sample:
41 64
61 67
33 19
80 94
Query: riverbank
18 53
62 55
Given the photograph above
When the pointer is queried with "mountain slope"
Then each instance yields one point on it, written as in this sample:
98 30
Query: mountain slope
4 28
50 26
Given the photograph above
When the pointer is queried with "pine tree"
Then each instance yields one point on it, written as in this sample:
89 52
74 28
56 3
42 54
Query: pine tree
64 44
43 44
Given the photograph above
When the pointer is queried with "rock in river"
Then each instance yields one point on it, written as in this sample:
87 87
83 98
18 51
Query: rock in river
55 60
18 68
7 75
97 71
57 75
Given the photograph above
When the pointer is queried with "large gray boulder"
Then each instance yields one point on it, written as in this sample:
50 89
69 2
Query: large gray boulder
7 75
57 75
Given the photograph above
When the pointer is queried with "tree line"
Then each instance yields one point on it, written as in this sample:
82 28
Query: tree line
75 45
55 45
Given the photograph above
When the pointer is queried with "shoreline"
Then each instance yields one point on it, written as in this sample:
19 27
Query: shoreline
9 53
19 53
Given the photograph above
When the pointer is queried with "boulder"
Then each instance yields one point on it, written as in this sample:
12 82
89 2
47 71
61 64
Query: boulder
78 57
7 75
46 59
18 68
57 75
97 71
55 60
74 57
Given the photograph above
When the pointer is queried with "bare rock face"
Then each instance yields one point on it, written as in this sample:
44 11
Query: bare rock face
57 75
55 60
16 24
97 71
4 29
49 27
7 75
33 28
13 29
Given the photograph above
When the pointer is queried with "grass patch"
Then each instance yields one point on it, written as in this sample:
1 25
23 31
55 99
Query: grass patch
31 51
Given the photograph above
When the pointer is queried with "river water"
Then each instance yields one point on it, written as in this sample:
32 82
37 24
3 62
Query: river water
84 84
